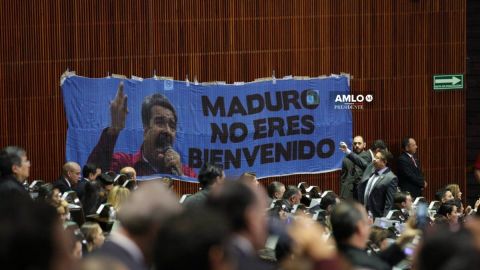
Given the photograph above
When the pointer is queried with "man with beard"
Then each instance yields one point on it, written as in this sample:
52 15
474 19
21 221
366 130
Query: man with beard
156 155
351 173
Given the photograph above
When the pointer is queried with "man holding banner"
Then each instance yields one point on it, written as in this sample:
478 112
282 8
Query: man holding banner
156 155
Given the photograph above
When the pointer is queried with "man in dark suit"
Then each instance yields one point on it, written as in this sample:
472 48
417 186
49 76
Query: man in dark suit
210 177
243 206
14 170
351 230
89 173
352 173
69 178
410 176
141 216
365 161
376 190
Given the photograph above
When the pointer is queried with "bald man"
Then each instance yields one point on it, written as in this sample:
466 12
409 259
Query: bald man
70 176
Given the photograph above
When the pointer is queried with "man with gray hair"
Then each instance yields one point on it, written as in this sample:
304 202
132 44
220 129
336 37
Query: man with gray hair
140 218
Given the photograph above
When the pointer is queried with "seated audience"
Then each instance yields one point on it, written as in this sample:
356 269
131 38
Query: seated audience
117 197
14 170
449 211
93 235
351 230
50 195
455 189
249 178
31 236
70 177
244 209
444 249
291 197
210 177
89 173
196 239
275 191
402 201
444 195
142 215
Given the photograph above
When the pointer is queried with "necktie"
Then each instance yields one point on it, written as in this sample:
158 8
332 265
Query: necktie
369 187
413 159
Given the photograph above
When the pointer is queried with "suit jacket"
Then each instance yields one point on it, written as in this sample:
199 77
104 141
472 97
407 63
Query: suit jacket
246 261
114 251
9 185
80 188
351 175
198 199
383 261
410 177
380 200
62 185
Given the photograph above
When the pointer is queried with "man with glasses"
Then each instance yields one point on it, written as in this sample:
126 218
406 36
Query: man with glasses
14 170
351 173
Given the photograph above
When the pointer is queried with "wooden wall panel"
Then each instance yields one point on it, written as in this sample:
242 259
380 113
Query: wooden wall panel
391 48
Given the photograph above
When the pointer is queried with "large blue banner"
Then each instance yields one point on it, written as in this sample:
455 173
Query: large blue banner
275 127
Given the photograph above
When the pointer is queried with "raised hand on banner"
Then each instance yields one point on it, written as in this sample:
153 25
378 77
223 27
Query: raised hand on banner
118 110
344 148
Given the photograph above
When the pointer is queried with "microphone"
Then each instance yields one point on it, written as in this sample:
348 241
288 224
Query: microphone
173 168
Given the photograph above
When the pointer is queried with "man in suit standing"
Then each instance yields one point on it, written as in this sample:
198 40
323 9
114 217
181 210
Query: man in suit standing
410 174
69 178
352 173
210 177
376 190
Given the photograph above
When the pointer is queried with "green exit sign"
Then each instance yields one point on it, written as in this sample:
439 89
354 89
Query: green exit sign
447 82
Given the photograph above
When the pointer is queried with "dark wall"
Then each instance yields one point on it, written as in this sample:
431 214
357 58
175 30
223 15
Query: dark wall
473 95
391 48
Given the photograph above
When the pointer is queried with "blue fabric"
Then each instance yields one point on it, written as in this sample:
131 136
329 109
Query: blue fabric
87 104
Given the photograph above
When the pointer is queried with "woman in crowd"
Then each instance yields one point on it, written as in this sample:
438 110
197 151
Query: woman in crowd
448 210
455 189
93 235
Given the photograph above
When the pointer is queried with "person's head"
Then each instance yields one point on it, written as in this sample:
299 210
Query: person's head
210 175
93 234
444 195
458 203
31 236
292 195
328 202
276 190
403 200
129 172
117 196
350 224
358 144
144 212
47 193
409 145
382 157
196 239
13 161
71 171
378 145
378 236
455 189
446 249
63 211
249 178
159 120
90 171
449 210
244 209
106 181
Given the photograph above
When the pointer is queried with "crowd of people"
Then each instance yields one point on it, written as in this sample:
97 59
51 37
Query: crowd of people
89 219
